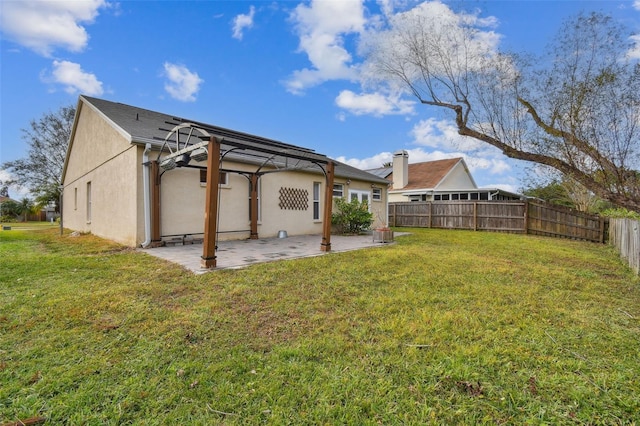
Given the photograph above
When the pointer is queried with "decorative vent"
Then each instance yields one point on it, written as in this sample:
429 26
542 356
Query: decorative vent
294 199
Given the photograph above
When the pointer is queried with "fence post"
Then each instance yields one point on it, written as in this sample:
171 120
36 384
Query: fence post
526 216
430 213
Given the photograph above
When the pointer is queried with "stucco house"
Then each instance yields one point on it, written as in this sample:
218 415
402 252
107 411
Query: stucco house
141 177
440 180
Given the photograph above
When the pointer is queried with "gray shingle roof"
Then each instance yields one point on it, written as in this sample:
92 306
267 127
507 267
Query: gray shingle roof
142 126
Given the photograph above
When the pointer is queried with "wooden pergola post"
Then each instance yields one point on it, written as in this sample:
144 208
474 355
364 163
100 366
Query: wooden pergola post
156 240
254 206
328 207
211 205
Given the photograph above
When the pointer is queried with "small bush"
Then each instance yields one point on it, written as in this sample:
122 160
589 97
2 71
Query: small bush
8 219
352 217
620 214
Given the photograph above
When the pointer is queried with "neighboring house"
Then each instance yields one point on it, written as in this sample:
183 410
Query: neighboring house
440 180
125 180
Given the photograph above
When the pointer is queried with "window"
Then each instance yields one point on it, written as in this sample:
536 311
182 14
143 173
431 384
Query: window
445 197
437 197
376 194
224 178
484 195
418 197
88 202
338 190
361 196
474 196
464 196
455 196
316 200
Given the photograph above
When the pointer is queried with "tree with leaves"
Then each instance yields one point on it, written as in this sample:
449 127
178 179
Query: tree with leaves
41 170
577 110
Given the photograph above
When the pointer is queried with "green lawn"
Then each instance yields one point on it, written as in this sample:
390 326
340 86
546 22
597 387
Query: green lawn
443 327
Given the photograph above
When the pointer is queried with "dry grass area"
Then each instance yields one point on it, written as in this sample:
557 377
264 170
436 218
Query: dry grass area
443 327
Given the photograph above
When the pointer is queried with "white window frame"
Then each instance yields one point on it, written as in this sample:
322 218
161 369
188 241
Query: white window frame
359 193
317 186
376 194
89 202
224 179
338 190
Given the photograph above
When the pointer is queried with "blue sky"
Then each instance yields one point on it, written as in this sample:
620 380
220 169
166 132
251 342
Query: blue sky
285 70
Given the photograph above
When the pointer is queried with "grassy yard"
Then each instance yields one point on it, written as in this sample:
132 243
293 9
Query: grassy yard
444 327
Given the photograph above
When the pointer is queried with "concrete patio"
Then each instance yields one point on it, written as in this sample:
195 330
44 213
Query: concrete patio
243 253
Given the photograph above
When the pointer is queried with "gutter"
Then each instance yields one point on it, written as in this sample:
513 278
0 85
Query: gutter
147 196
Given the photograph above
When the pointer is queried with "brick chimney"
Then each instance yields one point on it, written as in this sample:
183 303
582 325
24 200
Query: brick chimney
400 169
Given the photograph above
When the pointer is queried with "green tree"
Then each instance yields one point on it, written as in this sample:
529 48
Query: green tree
41 170
25 208
575 110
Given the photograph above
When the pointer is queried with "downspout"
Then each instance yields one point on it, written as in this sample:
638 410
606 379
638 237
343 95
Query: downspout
147 196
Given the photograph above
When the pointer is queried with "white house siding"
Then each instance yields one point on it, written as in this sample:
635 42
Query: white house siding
457 178
102 156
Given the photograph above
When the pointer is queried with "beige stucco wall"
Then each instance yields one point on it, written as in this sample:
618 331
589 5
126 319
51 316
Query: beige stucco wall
108 161
103 157
181 188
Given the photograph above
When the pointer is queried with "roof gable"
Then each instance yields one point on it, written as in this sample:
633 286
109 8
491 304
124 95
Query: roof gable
429 174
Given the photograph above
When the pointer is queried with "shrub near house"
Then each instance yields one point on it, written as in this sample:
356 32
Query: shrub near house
352 217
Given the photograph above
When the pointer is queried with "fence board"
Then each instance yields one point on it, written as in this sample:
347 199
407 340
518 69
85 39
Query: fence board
500 216
624 235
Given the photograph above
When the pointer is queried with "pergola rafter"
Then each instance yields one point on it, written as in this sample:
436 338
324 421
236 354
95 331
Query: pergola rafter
215 144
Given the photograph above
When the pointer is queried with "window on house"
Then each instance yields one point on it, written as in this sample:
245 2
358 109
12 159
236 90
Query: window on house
474 195
361 196
464 196
338 190
455 196
376 194
445 197
437 197
316 200
88 202
224 178
484 195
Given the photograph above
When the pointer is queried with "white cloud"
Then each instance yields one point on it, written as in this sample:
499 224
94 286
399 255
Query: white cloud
182 84
443 135
44 25
74 79
322 27
636 4
241 22
451 43
16 192
368 163
634 52
375 104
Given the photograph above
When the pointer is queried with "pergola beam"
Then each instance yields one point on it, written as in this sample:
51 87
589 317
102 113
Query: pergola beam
211 205
328 207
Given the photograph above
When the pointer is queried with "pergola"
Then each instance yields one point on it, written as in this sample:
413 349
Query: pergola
200 142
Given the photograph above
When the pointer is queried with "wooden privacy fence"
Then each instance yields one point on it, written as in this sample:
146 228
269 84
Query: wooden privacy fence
624 235
531 217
